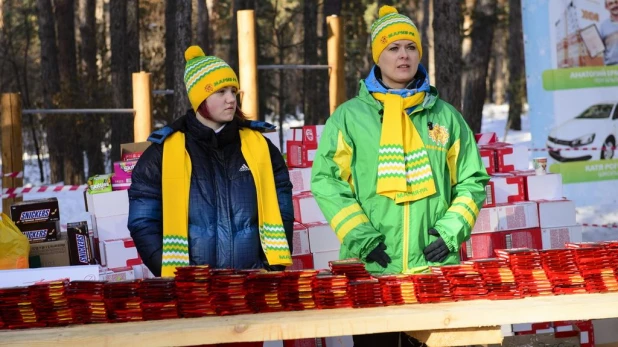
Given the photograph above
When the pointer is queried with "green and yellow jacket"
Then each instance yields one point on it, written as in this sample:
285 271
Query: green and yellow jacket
344 183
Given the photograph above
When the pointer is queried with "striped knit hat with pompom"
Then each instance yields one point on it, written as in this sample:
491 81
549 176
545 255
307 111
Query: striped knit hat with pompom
205 75
390 27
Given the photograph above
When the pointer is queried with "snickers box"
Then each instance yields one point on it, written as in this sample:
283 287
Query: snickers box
35 211
41 232
80 249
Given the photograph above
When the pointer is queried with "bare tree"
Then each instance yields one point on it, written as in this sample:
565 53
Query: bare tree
516 65
310 24
170 54
447 46
477 62
183 41
119 70
498 65
203 24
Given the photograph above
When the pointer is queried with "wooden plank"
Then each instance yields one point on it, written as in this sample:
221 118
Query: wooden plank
323 323
459 337
12 152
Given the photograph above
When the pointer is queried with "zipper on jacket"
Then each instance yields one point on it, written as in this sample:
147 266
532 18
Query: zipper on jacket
406 235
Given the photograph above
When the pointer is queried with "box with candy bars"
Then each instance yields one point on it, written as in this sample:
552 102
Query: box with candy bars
39 219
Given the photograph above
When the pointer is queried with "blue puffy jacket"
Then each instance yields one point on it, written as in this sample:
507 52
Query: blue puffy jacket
223 215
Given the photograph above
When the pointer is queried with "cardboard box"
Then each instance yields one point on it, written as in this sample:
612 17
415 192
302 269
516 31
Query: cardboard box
306 209
35 211
520 215
307 134
121 183
554 238
129 151
489 160
484 245
121 253
540 340
508 189
300 240
26 277
509 157
52 253
485 138
108 204
273 136
321 259
490 195
543 187
141 271
124 169
531 328
322 237
41 232
111 227
301 262
583 329
556 213
300 154
301 180
118 274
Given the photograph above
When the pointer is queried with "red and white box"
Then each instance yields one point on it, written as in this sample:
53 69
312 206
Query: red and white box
307 134
485 138
111 227
533 328
520 215
508 188
489 159
585 329
543 187
509 157
556 213
108 204
484 245
301 262
301 180
117 275
322 237
300 240
300 154
306 209
555 238
321 259
120 253
490 195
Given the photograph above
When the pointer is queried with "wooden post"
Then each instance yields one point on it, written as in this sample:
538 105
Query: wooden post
142 104
247 63
12 145
336 81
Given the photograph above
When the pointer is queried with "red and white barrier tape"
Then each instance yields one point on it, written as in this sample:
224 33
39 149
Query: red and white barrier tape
609 226
8 193
571 149
19 174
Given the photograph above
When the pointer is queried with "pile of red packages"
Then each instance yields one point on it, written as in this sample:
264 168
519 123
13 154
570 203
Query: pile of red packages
263 291
158 298
365 293
193 293
431 288
497 277
465 283
87 301
295 291
528 270
17 309
122 301
51 303
331 291
596 266
229 293
560 267
397 290
352 268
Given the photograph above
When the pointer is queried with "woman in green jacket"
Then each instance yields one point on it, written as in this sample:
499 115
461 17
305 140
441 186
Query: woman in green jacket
397 172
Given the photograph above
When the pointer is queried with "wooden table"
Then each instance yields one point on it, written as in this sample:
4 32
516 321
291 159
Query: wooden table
444 324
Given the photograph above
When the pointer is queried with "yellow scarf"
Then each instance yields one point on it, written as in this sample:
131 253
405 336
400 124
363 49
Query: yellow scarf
176 183
404 171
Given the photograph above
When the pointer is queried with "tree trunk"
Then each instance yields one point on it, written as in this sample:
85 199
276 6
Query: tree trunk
477 63
310 21
517 74
93 123
203 24
73 155
499 68
119 70
183 41
133 64
424 28
447 45
170 53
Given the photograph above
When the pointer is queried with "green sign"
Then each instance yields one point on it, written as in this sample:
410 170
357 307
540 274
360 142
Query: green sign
586 171
580 77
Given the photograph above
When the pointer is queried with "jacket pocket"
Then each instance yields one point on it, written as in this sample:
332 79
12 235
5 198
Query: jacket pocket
247 248
202 246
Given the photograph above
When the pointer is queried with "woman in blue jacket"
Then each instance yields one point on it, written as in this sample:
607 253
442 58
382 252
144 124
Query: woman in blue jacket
211 189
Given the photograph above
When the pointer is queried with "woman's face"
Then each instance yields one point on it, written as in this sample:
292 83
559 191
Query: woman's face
219 107
399 63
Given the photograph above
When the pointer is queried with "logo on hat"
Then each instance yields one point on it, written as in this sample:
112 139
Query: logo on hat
383 40
208 88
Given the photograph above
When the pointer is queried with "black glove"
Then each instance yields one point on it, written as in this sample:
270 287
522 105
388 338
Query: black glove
379 256
437 251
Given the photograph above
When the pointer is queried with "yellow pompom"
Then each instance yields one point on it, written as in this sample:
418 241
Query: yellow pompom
384 10
194 52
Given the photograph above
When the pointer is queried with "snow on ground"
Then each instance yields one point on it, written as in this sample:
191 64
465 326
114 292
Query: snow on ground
72 204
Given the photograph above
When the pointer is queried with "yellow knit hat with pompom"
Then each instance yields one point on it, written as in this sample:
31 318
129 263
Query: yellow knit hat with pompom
390 27
204 75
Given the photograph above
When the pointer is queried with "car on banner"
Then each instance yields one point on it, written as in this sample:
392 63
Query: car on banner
592 135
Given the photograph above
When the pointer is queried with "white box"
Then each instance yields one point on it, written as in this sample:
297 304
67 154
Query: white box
300 240
519 215
553 238
121 253
111 227
108 204
508 188
544 187
274 138
141 271
301 179
322 237
321 259
306 209
556 213
118 275
26 277
486 221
